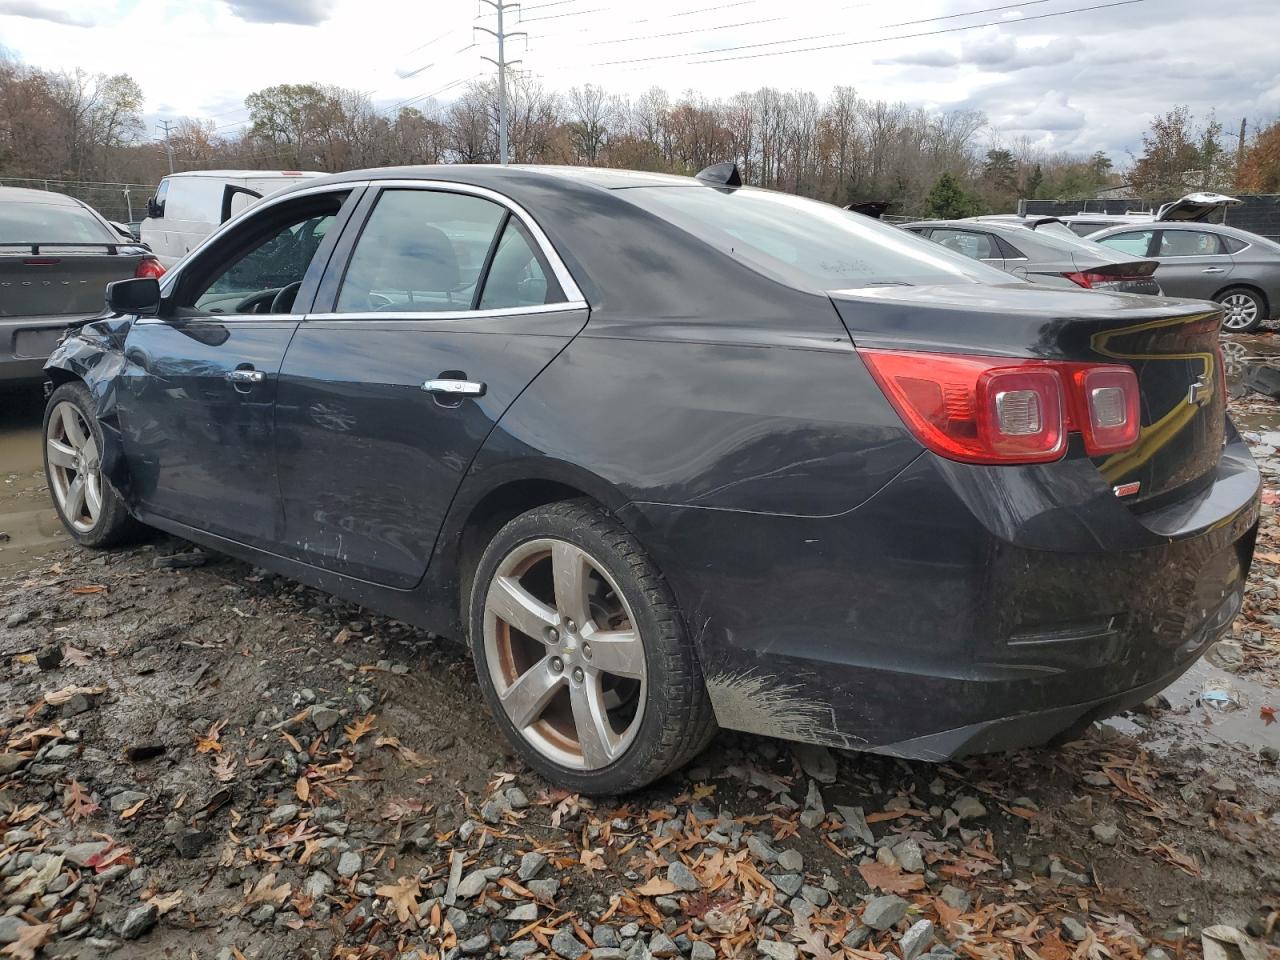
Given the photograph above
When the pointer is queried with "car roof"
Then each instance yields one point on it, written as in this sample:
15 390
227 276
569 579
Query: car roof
1220 228
246 174
28 195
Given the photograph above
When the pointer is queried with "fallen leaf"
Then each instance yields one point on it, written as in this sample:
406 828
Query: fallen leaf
303 789
655 887
209 742
90 588
75 656
1268 714
224 768
132 811
890 879
591 861
31 938
403 894
264 892
79 804
165 902
59 697
358 729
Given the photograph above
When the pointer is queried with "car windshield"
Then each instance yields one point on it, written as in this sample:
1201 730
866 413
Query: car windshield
805 243
50 223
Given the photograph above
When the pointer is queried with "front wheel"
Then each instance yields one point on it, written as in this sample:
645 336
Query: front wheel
582 654
1243 310
87 505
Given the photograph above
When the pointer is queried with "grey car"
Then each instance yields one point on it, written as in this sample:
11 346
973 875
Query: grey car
1056 258
1208 261
1196 207
56 256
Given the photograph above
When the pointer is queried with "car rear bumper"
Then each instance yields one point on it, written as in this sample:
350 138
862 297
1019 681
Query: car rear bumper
25 344
960 609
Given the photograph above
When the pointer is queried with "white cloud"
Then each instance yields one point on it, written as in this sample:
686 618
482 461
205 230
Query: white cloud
35 10
307 12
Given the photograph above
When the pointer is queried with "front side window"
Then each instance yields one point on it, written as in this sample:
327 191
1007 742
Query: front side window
1135 243
975 246
267 262
1188 243
421 251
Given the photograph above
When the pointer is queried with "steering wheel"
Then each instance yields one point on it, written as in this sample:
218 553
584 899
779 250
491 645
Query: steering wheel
253 301
283 301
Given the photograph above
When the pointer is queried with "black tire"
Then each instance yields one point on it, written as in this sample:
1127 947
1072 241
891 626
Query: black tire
677 721
112 526
1246 309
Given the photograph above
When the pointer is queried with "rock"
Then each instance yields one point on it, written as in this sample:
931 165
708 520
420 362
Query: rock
285 813
1096 778
856 821
189 843
60 752
791 861
882 913
956 899
857 936
1227 655
968 808
137 752
9 762
472 884
1105 833
788 883
475 945
815 810
1269 753
1224 786
916 940
531 865
318 886
524 913
818 896
516 798
49 657
816 761
701 950
566 944
1156 953
81 853
18 618
263 915
608 953
1074 930
605 936
660 945
1059 874
324 718
78 704
349 864
761 849
776 950
522 948
667 906
544 889
683 877
139 921
125 799
910 856
9 928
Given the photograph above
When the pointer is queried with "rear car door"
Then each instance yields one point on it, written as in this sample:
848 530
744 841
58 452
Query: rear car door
975 244
198 393
1193 263
442 304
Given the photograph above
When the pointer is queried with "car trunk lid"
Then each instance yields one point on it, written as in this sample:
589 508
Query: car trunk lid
1194 207
48 279
1172 346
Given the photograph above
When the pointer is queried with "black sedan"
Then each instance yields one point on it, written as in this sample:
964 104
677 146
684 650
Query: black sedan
674 453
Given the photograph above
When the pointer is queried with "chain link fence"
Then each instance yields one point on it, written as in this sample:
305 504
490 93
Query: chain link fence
125 202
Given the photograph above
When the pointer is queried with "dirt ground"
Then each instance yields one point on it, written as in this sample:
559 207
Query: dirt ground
203 760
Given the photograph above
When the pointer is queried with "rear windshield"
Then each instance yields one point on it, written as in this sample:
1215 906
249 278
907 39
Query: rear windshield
50 223
808 244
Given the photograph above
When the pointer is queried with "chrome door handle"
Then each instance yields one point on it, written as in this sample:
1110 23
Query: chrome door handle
455 388
1213 270
246 376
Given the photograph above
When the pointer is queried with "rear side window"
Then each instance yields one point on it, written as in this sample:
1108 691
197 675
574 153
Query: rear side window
975 246
1233 244
51 223
1082 228
421 251
1134 244
517 276
1188 243
805 243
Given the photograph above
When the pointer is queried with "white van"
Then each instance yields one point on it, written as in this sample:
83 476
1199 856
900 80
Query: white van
187 207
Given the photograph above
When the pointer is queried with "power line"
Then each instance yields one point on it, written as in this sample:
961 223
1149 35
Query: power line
683 33
561 16
971 13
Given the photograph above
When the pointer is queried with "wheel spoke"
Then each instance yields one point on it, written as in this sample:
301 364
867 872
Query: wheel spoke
93 497
75 498
527 698
616 651
90 451
513 604
569 570
61 455
591 721
71 426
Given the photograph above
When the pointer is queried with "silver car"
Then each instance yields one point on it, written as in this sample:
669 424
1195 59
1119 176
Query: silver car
1047 256
1208 261
1193 207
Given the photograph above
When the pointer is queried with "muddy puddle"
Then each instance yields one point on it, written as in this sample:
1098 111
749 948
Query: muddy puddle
28 526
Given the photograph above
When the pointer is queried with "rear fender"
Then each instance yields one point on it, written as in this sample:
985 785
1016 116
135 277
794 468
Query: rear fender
93 353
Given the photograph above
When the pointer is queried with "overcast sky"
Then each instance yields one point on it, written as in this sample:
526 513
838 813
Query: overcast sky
1078 81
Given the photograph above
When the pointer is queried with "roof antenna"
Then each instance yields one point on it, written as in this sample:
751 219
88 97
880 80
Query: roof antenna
721 174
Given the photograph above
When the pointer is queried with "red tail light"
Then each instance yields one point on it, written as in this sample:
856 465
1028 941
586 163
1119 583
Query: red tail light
999 410
1091 281
149 267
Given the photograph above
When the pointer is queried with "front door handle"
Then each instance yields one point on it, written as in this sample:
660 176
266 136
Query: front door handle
246 376
455 388
1213 270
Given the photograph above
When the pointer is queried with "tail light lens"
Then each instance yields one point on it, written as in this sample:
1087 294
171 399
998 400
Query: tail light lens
1095 281
995 410
149 267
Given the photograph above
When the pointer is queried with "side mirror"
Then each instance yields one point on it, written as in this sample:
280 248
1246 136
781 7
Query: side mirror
140 295
155 208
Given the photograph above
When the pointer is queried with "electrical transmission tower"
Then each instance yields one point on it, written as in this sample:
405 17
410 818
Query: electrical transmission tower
168 147
500 7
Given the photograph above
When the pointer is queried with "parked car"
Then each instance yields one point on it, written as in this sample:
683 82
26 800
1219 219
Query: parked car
1193 208
189 206
673 453
1054 259
56 255
1210 261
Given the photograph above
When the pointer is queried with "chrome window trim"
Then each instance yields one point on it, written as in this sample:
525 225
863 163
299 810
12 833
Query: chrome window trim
365 316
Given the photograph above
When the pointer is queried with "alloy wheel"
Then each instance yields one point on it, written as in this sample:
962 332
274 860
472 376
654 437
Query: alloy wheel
1241 311
74 466
564 653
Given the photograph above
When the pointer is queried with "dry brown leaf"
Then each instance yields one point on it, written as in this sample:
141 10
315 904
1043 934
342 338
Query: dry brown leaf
264 892
890 879
75 656
131 812
406 754
208 743
656 887
59 697
90 588
303 789
591 861
358 729
79 805
164 902
31 938
224 768
403 894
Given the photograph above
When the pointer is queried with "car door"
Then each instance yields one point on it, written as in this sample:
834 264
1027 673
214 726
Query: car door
1193 263
442 304
197 399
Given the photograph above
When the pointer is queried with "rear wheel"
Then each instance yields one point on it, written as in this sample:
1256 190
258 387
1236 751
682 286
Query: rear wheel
1244 309
582 654
87 505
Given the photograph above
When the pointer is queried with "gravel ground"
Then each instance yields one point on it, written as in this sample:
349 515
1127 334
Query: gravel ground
203 760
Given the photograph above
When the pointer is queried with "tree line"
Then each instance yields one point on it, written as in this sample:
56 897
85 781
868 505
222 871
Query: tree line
841 148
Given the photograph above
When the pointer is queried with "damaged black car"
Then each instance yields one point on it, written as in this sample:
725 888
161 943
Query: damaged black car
675 454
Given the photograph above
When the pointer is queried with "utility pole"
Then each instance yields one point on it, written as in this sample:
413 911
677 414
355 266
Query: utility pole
500 6
168 147
1244 123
